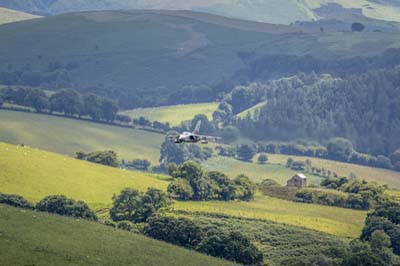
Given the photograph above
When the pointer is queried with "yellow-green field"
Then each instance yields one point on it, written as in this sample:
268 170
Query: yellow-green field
252 110
394 193
67 136
257 172
382 176
9 15
32 238
174 114
35 174
345 223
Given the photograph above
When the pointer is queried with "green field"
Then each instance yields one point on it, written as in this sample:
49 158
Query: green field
276 241
35 174
382 176
67 136
9 15
252 110
255 171
394 193
175 114
32 238
344 223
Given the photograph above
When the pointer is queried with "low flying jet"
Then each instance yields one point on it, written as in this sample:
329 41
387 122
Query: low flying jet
194 137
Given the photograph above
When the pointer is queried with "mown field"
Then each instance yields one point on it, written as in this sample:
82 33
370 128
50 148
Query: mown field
344 223
35 174
174 114
255 171
67 136
31 238
382 176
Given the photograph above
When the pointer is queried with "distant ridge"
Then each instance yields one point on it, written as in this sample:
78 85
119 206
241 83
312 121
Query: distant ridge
272 11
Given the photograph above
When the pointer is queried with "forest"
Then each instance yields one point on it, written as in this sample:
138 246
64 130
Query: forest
364 109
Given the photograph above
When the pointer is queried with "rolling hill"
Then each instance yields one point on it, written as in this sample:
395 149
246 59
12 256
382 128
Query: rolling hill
344 223
265 10
35 174
32 238
68 136
174 114
151 55
382 176
9 15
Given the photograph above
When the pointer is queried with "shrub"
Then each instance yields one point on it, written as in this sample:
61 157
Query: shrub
132 205
181 188
124 225
263 158
62 205
210 240
15 201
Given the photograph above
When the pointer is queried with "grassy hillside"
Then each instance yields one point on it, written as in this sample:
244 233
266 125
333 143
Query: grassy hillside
383 176
9 15
31 238
256 172
67 136
252 110
35 174
276 241
345 223
157 52
174 114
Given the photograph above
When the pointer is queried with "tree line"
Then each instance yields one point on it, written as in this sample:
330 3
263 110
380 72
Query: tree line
65 101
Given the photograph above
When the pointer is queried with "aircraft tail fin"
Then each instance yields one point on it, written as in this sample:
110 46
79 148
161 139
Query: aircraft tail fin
196 130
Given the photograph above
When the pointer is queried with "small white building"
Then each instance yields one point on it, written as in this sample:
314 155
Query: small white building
299 181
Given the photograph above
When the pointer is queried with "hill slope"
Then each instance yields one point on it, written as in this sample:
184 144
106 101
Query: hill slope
31 238
9 15
174 114
274 11
67 136
143 58
36 174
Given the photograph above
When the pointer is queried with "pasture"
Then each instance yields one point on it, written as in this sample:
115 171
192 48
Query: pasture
174 114
256 172
68 136
32 238
344 223
382 176
35 174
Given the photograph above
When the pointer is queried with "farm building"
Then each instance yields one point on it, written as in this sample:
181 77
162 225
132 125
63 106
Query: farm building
299 181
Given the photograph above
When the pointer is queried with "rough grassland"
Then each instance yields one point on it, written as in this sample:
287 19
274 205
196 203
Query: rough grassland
382 176
31 238
256 172
67 136
35 174
345 223
174 114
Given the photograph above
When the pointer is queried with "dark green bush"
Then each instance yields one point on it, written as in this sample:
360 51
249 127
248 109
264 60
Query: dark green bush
15 201
62 205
